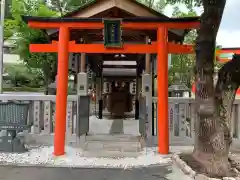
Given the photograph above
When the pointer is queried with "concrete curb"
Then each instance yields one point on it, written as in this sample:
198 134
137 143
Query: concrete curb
187 170
79 167
183 166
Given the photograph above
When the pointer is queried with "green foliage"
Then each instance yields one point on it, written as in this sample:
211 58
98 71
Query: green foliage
46 62
22 35
182 70
182 66
157 5
189 3
20 75
178 13
22 89
9 26
65 6
74 4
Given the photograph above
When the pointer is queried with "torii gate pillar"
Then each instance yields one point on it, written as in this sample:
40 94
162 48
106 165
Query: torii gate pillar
62 90
162 90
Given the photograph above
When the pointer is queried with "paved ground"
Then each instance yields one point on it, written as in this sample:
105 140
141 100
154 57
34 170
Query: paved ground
36 173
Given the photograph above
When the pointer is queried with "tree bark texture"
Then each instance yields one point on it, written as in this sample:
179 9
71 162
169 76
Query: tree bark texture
211 146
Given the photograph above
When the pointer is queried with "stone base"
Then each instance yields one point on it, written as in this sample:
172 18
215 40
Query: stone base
12 146
9 142
48 140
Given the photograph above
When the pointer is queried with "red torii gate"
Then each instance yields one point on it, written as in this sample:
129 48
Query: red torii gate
161 47
219 52
226 51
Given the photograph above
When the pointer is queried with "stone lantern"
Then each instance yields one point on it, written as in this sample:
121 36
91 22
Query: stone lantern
178 90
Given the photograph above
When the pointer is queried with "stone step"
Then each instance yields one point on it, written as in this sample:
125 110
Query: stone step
113 138
110 154
113 146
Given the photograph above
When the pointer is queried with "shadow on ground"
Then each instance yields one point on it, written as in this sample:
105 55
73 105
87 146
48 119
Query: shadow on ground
117 127
166 172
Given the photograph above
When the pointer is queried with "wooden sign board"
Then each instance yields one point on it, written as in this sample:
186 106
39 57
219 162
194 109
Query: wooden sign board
112 33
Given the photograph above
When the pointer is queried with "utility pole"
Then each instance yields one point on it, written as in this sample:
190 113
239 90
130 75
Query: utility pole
1 43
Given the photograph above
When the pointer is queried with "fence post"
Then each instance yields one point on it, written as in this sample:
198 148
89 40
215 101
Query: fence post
69 122
48 113
171 119
36 117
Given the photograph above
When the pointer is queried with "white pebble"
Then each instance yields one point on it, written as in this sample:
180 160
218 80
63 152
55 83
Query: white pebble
74 158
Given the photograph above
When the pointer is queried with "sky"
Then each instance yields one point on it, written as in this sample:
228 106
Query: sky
229 32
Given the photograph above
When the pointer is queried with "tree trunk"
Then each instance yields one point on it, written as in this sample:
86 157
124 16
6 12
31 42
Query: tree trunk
211 148
225 92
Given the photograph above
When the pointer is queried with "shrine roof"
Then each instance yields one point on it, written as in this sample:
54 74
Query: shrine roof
94 2
126 10
130 19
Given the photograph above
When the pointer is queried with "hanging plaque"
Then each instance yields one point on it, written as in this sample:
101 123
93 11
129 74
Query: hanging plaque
112 33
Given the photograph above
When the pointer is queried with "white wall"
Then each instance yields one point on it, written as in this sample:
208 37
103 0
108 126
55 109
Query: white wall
11 58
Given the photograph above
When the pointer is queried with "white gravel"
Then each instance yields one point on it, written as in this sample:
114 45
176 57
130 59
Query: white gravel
73 158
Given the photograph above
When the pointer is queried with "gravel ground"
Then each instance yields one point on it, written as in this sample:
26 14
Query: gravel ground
74 158
166 172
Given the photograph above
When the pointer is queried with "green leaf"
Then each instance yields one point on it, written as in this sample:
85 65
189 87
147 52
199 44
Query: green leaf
22 36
